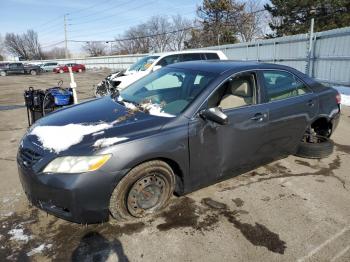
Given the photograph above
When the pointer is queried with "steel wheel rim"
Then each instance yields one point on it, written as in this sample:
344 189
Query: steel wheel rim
146 195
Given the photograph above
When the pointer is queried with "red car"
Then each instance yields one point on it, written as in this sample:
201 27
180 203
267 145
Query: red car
64 68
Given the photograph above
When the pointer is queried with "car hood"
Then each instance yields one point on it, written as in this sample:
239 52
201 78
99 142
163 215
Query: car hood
126 80
83 128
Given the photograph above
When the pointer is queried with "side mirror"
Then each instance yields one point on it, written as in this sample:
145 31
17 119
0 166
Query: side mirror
156 67
215 114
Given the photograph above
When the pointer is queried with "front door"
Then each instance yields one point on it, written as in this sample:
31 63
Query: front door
220 151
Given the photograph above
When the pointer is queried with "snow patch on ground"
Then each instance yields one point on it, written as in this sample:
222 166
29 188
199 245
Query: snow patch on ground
17 234
104 142
60 138
344 93
39 249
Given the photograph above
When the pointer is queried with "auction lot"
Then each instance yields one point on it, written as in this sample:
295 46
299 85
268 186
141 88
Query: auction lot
291 210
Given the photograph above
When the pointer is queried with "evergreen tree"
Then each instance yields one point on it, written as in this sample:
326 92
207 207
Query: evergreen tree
218 22
291 17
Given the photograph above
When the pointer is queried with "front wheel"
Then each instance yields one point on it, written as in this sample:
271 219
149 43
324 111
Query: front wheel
33 72
145 190
3 73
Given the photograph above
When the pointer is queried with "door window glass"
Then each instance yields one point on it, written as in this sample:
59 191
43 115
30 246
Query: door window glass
281 85
235 92
190 57
211 56
171 59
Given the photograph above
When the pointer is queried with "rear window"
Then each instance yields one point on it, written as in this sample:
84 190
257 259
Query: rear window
211 56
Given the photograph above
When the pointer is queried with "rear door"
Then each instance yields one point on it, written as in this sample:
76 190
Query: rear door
219 151
291 105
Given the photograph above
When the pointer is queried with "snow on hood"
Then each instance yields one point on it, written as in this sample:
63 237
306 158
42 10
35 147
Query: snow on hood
152 109
105 142
344 93
155 109
60 138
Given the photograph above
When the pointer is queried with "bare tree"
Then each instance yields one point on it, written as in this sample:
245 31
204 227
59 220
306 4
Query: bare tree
135 40
55 53
25 46
31 41
252 21
182 32
15 45
94 48
2 48
158 27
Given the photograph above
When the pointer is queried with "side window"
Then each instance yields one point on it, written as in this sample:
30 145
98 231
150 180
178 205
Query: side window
281 85
212 56
171 59
190 57
235 92
12 66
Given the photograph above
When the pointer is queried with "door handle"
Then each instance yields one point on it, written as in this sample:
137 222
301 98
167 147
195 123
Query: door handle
310 103
259 117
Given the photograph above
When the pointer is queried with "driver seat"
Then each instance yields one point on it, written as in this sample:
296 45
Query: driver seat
239 93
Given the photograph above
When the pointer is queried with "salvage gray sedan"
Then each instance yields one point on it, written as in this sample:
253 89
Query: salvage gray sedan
183 127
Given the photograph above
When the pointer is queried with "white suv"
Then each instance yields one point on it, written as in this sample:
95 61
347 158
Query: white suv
150 63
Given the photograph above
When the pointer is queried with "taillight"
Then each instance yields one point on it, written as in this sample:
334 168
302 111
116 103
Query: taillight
338 98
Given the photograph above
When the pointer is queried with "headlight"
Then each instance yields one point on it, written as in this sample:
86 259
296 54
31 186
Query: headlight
76 164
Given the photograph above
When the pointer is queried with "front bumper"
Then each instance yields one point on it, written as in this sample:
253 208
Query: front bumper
80 198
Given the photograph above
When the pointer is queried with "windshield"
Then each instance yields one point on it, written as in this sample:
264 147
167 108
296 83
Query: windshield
170 89
143 63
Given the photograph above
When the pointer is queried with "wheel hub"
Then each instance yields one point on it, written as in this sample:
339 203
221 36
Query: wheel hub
145 195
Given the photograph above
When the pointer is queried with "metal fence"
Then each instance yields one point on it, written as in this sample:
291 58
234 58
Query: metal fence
327 61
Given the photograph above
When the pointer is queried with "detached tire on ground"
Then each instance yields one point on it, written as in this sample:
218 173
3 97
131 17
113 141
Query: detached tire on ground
322 149
146 189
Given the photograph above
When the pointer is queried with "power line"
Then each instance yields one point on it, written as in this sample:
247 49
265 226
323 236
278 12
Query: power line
139 37
54 44
107 9
105 18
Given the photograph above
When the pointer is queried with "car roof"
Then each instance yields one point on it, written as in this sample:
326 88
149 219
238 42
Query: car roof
221 66
186 52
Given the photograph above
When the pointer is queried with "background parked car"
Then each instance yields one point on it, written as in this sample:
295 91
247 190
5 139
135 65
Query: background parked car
19 68
64 68
49 66
148 64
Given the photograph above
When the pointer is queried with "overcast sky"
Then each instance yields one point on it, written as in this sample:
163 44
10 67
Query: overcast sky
87 19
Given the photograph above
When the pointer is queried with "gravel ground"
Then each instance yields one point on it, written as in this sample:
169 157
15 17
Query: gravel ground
290 210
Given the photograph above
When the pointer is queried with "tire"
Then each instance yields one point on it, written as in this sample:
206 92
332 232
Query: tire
145 190
3 73
322 149
61 71
33 72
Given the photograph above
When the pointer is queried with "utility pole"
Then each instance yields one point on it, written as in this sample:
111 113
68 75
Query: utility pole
65 35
